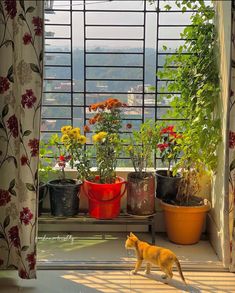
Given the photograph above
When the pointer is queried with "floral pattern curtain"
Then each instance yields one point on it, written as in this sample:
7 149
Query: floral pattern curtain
21 69
232 148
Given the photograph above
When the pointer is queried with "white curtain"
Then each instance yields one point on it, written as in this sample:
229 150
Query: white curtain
21 69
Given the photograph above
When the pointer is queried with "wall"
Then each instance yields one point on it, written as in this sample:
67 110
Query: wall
218 217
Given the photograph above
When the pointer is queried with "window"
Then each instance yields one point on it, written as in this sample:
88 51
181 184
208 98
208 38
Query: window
100 49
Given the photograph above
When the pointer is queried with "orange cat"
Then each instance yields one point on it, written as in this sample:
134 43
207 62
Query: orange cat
162 257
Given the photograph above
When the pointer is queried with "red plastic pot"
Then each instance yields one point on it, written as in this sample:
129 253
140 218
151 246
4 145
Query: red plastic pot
104 199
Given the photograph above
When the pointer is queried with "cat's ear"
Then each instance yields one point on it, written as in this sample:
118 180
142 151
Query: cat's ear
132 235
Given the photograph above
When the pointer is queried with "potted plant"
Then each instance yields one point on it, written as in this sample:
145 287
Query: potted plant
44 169
167 181
64 192
197 79
103 188
141 182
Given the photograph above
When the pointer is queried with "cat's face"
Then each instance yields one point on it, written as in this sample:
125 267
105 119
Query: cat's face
131 241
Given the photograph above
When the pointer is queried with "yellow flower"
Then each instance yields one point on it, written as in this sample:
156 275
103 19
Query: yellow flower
64 138
64 129
82 139
99 136
68 128
130 148
72 135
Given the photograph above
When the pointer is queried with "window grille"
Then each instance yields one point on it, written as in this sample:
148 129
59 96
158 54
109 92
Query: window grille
100 49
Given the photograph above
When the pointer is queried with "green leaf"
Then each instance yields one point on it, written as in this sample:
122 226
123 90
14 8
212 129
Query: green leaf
22 4
27 132
12 184
30 9
12 191
21 16
5 110
24 248
40 56
232 165
6 221
10 74
34 68
30 187
167 7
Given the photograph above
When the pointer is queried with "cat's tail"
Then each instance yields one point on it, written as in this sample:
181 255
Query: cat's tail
180 270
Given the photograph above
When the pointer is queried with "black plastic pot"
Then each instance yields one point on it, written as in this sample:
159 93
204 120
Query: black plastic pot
64 197
42 195
167 186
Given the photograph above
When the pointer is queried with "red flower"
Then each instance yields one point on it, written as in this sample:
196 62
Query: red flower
12 124
1 262
169 129
4 84
62 158
162 146
10 6
37 22
231 139
14 236
5 197
32 261
129 126
24 160
23 274
27 38
26 216
34 145
28 99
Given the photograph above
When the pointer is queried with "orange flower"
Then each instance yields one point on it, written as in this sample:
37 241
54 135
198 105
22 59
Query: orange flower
86 129
92 121
94 107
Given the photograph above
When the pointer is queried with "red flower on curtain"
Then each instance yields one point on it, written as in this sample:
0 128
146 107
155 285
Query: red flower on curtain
32 260
14 236
23 274
26 216
5 197
4 84
27 38
12 124
34 145
10 6
28 99
231 139
37 22
24 160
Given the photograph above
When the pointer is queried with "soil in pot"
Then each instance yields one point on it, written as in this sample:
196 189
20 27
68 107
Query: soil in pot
167 186
140 194
64 197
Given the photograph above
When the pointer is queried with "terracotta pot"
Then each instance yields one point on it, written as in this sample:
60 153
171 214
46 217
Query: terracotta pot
140 194
184 223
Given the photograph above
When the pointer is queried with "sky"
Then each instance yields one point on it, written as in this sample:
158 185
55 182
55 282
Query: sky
63 17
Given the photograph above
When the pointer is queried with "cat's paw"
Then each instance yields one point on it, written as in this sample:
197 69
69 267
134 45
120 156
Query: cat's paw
133 272
147 272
